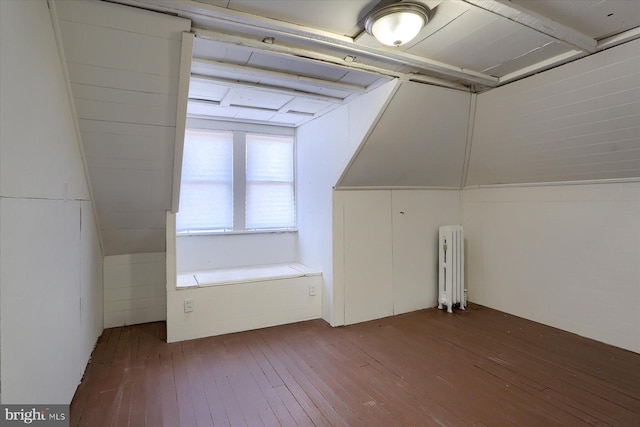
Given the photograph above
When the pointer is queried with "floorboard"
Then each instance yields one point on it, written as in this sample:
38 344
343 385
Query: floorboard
478 367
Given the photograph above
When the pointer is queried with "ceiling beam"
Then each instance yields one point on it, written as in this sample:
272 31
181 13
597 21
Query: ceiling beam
617 39
537 22
266 88
400 59
538 67
286 78
217 20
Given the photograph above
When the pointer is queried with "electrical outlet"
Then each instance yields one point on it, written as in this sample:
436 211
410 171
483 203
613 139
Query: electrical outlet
188 305
313 289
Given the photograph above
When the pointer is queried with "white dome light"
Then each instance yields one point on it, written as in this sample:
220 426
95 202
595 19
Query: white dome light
398 23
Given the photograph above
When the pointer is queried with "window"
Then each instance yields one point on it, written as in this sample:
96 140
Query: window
269 188
236 181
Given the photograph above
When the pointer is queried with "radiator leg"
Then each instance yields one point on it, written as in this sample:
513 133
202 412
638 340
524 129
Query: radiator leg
449 308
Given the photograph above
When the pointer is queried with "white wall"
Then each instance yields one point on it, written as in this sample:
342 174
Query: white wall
385 249
50 257
236 250
134 289
565 256
419 141
324 148
237 307
574 122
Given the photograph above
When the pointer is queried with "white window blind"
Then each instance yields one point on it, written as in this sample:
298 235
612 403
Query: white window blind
206 192
270 187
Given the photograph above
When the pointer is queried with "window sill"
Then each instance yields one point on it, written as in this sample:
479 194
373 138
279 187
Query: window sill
235 232
233 276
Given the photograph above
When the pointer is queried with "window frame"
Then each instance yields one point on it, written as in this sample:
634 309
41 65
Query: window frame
239 131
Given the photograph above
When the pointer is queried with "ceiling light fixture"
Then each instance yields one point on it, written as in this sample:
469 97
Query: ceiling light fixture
398 23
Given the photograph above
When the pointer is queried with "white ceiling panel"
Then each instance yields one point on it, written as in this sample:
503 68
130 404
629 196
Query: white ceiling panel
296 66
502 41
257 99
130 147
359 78
138 21
469 25
115 49
306 106
195 108
303 87
534 56
254 115
207 90
319 14
271 88
595 18
122 79
223 74
221 52
291 120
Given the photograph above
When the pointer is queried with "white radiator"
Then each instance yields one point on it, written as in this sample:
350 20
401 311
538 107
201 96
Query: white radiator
451 268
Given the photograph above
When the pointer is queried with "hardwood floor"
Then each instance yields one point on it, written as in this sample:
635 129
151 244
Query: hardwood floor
428 368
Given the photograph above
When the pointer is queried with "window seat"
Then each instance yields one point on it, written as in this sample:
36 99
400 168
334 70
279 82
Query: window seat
231 276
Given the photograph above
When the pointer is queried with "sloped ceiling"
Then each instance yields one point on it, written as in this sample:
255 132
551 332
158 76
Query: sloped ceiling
288 62
419 140
123 66
577 122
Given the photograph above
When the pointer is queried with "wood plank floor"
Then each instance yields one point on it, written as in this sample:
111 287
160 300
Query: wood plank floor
477 368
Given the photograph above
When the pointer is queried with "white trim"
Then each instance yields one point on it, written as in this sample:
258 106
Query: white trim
384 55
211 124
409 187
233 232
617 39
550 184
544 65
239 182
374 124
470 127
186 53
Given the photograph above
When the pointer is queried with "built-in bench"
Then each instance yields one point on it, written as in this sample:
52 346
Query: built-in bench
222 301
230 276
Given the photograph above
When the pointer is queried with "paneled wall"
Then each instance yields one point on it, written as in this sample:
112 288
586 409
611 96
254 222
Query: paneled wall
324 148
575 122
565 256
134 289
50 255
385 249
124 66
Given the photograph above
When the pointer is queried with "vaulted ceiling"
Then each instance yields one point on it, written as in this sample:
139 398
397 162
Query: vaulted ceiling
286 62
